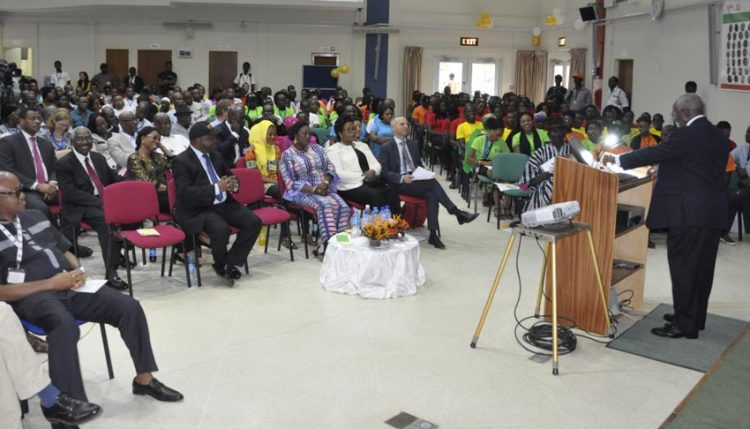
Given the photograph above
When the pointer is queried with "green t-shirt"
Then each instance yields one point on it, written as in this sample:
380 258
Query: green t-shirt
482 146
589 145
543 137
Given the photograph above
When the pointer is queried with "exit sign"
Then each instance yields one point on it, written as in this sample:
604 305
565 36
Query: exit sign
469 41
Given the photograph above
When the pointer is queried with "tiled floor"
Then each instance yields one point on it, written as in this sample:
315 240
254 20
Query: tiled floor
279 352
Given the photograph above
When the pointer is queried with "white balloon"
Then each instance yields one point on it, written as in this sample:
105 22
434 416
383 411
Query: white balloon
557 13
560 20
536 31
579 24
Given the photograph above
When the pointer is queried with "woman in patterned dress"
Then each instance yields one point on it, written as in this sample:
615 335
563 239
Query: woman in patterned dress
311 180
149 165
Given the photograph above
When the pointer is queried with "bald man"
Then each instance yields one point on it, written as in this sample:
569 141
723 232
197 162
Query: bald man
399 158
690 200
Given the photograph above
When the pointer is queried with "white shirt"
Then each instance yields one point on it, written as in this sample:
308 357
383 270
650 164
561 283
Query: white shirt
617 97
243 78
59 80
28 136
347 166
314 120
176 143
202 160
693 119
401 145
82 160
131 104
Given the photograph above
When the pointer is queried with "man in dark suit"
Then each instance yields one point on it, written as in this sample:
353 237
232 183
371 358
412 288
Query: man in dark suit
204 202
398 159
133 79
32 160
83 175
45 257
690 200
236 142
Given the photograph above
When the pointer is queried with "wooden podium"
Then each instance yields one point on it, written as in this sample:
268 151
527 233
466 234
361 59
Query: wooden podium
598 194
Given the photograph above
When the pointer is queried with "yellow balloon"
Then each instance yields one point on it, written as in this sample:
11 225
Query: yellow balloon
335 73
550 20
536 40
344 69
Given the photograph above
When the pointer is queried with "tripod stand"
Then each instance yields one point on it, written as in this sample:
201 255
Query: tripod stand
551 236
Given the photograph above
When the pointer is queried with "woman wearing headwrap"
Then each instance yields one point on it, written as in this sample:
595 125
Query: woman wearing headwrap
263 144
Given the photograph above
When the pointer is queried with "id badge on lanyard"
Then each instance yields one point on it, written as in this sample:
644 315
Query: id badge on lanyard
17 275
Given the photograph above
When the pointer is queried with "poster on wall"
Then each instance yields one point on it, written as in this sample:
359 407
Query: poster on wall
735 52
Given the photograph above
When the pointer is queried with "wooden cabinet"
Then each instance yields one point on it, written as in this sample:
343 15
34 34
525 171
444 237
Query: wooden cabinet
598 194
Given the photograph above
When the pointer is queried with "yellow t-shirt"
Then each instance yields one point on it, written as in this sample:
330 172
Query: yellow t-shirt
465 130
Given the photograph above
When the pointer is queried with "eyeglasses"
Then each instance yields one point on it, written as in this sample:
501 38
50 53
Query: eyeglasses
17 192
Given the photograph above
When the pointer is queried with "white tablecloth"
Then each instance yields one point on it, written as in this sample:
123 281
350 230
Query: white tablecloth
388 271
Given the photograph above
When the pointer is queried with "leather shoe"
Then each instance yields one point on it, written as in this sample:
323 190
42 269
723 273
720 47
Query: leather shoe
38 344
465 217
435 241
82 251
124 261
116 283
232 272
222 272
157 390
671 331
69 411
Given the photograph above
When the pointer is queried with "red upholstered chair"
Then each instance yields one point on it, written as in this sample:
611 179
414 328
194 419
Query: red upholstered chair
415 210
252 192
355 205
240 163
172 195
168 217
133 202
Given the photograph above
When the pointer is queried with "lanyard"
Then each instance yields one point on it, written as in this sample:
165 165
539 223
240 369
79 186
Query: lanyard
487 149
17 240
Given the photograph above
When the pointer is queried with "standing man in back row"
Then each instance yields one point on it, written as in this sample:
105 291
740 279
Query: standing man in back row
617 97
166 79
245 77
690 200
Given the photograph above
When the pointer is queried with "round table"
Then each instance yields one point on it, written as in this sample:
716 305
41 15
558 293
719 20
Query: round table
388 271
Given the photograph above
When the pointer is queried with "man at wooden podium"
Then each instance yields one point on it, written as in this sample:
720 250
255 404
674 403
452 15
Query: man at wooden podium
689 200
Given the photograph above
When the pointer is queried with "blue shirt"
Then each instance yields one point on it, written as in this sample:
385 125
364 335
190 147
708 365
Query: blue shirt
741 156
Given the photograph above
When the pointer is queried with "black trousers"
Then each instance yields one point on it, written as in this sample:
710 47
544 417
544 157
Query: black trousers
95 217
218 222
376 195
56 312
740 200
691 252
35 200
431 191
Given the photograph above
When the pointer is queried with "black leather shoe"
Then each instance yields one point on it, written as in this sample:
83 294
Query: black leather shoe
669 317
157 390
671 331
69 411
124 261
116 283
232 272
222 272
82 251
465 217
435 241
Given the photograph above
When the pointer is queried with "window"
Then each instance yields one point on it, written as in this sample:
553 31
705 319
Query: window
562 69
468 75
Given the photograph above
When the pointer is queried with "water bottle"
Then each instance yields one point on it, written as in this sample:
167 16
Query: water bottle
385 212
192 270
366 215
152 255
375 214
262 237
355 225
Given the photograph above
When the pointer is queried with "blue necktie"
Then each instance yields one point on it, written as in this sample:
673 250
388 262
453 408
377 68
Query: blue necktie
212 175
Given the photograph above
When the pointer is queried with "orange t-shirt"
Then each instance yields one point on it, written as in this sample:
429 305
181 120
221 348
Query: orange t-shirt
648 141
731 165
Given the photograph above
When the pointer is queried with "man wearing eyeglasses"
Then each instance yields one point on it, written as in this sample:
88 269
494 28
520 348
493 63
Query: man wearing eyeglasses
32 250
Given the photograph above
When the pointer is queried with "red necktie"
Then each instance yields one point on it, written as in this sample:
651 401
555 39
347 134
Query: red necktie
41 177
94 178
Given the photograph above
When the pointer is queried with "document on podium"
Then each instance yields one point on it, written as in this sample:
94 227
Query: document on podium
422 174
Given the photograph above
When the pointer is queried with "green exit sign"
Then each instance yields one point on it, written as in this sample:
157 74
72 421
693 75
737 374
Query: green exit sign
469 41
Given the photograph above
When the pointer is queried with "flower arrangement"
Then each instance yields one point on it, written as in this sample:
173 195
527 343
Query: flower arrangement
385 229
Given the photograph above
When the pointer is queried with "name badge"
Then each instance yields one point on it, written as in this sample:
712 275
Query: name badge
16 276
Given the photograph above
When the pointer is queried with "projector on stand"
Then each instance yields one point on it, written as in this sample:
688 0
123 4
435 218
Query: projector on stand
551 214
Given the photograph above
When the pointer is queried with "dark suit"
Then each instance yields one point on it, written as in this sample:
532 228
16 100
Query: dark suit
690 200
430 190
16 158
195 210
226 147
79 202
138 85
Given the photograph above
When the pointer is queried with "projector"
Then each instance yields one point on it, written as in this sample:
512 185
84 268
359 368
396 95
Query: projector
554 213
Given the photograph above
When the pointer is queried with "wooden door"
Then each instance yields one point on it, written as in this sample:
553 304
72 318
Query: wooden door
117 61
151 63
222 69
625 74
